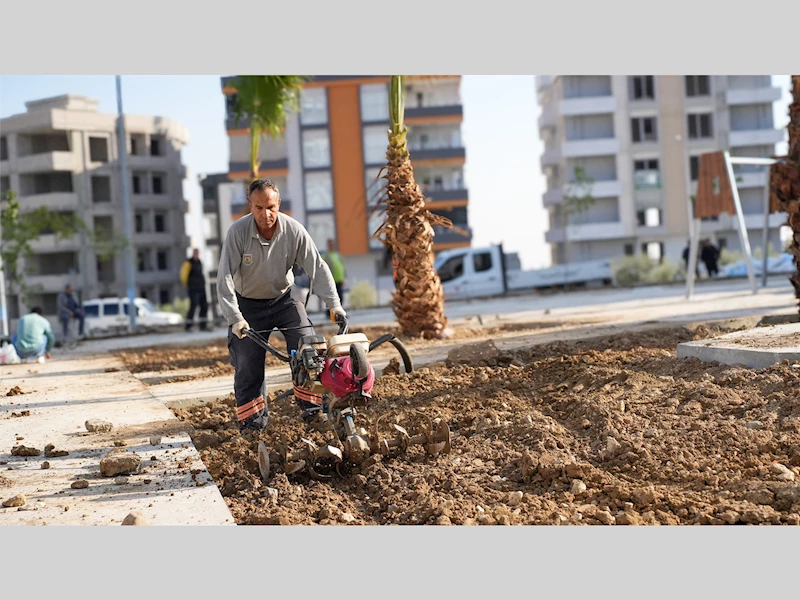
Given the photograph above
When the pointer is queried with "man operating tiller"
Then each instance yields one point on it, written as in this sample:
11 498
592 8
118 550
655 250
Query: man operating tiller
254 282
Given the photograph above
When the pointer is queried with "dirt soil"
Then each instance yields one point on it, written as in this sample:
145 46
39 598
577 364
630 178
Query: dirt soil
213 360
791 340
614 430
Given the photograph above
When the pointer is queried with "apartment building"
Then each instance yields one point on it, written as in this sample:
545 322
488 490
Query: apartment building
327 163
638 139
62 154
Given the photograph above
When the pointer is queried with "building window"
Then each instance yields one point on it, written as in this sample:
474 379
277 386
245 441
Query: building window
319 190
155 147
374 102
641 87
139 222
628 249
694 167
645 174
141 261
5 184
698 85
160 222
158 184
700 126
163 296
376 141
3 148
313 106
643 129
139 183
161 260
98 149
134 147
321 227
316 149
101 189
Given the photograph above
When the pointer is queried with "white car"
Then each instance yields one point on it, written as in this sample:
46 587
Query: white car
110 315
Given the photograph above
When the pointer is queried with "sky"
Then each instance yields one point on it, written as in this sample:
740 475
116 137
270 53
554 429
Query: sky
499 131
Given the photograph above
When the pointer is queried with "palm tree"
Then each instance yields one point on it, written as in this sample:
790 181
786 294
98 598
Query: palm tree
407 232
785 182
265 101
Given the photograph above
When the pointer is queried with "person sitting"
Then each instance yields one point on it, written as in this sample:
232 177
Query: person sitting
34 337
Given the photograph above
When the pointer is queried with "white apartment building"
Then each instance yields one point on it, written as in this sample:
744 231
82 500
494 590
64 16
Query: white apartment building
639 138
62 154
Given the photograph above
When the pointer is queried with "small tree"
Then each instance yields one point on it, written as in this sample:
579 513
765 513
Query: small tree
265 102
21 229
577 200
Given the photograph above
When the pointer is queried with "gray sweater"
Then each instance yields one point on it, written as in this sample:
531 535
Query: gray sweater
257 268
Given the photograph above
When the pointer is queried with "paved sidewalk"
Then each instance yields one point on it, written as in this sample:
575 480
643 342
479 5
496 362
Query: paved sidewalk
60 396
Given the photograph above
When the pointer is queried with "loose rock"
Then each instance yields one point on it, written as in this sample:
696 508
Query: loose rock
135 518
514 498
120 464
15 501
346 518
46 465
81 484
98 426
577 488
25 451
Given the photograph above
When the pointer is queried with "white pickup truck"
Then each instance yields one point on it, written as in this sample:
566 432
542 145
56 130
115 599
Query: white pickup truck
480 272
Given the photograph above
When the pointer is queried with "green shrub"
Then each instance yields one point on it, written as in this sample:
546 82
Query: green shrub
179 305
362 295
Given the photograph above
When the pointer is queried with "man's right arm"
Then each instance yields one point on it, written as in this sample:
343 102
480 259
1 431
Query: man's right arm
229 259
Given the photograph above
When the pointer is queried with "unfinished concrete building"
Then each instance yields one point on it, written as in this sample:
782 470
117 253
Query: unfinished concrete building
62 154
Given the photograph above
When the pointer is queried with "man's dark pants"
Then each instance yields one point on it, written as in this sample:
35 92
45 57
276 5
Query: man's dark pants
248 358
197 299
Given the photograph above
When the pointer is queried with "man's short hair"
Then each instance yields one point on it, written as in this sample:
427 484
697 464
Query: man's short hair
36 310
261 184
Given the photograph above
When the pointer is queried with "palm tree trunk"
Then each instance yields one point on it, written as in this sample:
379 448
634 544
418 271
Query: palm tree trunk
418 299
785 182
255 139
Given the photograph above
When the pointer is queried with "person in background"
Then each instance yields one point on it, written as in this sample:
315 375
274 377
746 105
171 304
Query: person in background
68 308
710 255
336 265
194 281
34 337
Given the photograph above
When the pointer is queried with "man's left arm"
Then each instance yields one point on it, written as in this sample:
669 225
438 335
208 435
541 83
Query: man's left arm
317 269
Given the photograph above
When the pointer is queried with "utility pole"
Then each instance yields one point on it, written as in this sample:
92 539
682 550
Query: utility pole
3 303
126 207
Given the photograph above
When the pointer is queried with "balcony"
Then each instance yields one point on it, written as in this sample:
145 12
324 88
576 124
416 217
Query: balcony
548 118
755 137
553 197
153 201
50 283
446 195
444 235
544 81
444 112
49 243
753 96
756 221
153 238
599 189
56 201
155 277
267 166
147 162
437 154
551 157
46 162
751 179
586 233
593 105
593 147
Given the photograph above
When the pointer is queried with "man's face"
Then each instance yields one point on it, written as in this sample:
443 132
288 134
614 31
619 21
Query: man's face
264 206
69 289
196 254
